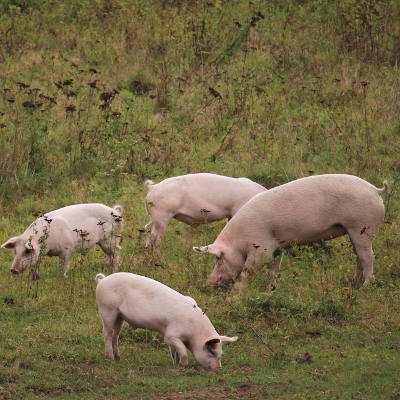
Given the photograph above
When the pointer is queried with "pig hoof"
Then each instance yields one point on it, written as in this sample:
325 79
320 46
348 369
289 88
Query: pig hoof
271 288
357 283
368 281
183 362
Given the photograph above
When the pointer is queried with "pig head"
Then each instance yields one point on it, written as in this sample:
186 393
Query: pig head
208 354
27 251
229 263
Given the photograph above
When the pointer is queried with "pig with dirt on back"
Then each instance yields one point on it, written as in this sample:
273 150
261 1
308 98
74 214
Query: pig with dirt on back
146 303
306 210
62 232
195 199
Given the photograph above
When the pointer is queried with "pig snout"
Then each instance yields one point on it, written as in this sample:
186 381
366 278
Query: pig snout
17 266
216 280
14 271
215 367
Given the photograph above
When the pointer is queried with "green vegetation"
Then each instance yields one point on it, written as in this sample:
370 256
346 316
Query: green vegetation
97 96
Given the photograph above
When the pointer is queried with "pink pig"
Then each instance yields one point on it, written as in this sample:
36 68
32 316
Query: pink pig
195 199
146 303
62 232
307 210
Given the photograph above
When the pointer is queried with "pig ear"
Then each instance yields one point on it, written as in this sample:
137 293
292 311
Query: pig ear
215 250
228 339
211 343
10 244
200 249
212 249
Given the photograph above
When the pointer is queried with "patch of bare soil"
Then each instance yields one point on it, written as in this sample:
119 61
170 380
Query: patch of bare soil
245 391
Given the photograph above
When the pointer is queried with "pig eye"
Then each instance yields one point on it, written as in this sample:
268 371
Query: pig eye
28 251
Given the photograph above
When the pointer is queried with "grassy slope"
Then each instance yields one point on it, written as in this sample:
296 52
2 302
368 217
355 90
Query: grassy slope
306 90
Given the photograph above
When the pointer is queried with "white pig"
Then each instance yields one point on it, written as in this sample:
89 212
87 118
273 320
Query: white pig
146 303
195 199
62 232
307 210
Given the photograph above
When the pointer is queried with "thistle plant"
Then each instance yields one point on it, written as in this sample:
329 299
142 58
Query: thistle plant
34 267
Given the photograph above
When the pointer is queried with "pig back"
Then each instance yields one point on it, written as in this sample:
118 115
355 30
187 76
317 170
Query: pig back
204 191
146 303
77 213
304 209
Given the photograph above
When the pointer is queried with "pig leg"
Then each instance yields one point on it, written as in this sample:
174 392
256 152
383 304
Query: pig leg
365 256
159 222
273 270
147 227
65 263
256 259
178 350
241 282
149 236
110 248
157 232
68 246
147 232
174 356
108 337
110 324
117 330
113 261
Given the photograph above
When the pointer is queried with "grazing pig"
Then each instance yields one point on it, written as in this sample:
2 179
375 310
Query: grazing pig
146 303
306 210
195 199
62 232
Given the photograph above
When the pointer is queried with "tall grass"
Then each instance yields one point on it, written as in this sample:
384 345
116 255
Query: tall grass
96 97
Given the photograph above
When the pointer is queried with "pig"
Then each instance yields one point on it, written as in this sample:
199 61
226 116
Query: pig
146 303
194 199
62 232
307 210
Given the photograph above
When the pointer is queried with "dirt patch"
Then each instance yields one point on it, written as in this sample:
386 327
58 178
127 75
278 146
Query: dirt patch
244 370
246 391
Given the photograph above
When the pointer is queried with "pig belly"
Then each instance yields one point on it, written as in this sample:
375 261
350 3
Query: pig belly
331 233
328 234
144 318
200 217
53 253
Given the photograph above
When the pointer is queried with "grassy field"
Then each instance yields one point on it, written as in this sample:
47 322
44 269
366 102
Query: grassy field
97 96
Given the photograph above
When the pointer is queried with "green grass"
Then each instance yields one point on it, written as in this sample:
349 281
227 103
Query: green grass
310 88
